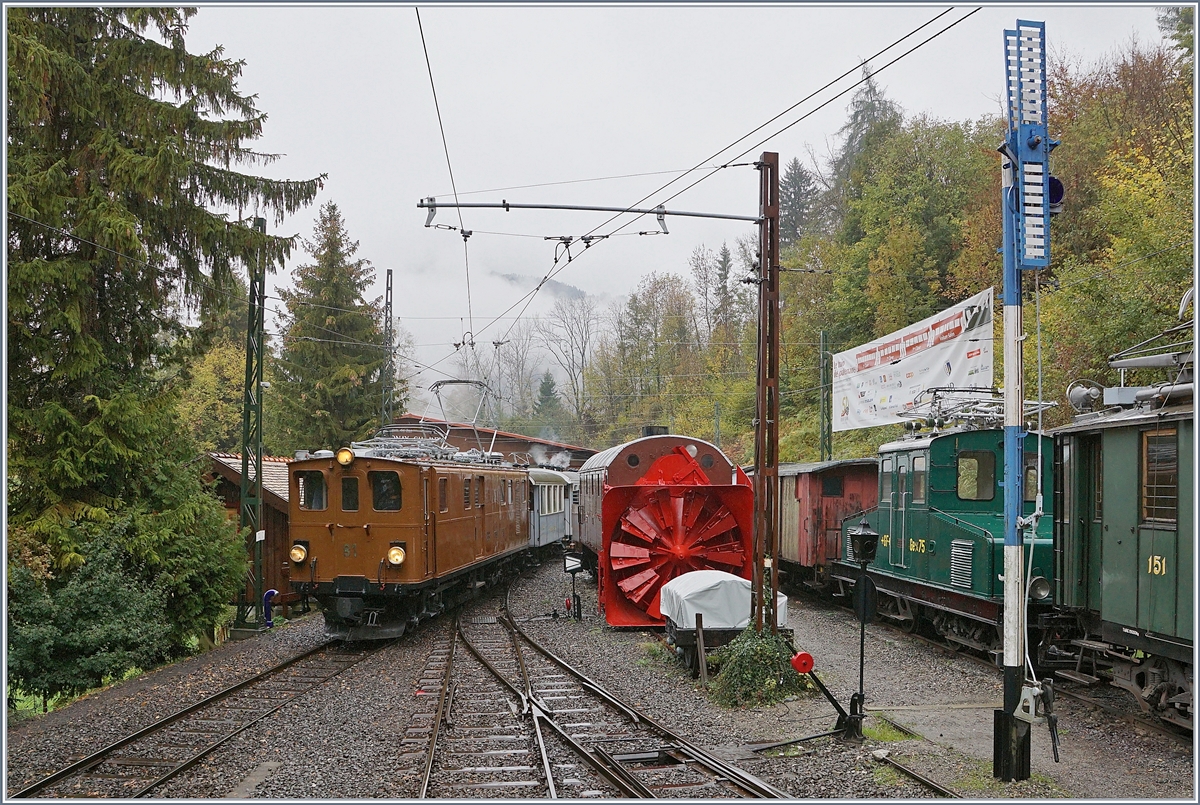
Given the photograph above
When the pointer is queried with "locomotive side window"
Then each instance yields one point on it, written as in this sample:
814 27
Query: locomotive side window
443 501
831 486
466 493
918 479
312 490
976 475
349 494
1031 477
479 491
385 491
510 488
1160 475
885 481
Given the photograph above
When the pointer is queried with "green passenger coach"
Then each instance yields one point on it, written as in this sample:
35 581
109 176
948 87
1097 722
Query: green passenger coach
1125 542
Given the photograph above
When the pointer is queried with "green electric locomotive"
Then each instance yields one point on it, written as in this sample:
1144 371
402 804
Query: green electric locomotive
940 520
1124 529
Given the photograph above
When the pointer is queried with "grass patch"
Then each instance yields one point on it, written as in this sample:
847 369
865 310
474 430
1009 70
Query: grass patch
878 730
978 779
654 654
887 776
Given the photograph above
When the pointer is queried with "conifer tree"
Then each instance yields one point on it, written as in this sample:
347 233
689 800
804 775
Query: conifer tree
123 169
328 371
798 194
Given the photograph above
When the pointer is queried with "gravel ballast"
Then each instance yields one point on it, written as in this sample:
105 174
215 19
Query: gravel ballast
358 736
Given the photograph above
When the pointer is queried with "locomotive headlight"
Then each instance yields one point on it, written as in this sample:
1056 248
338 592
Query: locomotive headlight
395 555
1039 588
345 456
298 554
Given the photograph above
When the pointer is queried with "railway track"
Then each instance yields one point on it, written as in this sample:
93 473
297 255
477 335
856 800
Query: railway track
137 764
515 719
1061 689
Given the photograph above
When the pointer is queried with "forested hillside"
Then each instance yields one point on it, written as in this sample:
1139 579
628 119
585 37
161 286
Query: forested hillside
900 222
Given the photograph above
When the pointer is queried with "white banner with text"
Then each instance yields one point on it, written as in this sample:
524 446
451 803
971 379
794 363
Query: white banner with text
874 383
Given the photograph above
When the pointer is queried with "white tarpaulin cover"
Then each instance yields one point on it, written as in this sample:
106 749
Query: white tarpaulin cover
874 382
722 598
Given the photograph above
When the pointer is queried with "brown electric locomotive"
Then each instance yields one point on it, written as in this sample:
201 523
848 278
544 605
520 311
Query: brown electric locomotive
392 530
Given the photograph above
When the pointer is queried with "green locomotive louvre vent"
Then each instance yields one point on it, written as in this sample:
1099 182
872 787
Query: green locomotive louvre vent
960 562
849 548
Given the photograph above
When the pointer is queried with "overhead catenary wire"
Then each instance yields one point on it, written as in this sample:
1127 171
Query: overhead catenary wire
446 148
559 266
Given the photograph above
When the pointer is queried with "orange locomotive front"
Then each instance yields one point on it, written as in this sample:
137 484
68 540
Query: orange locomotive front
395 529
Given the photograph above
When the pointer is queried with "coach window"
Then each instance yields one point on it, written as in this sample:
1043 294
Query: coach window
1160 476
443 501
918 479
312 489
385 491
976 475
831 486
349 494
466 493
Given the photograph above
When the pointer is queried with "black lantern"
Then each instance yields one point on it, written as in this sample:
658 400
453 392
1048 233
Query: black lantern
864 541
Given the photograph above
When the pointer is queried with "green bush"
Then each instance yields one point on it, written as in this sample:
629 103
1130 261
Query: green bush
755 668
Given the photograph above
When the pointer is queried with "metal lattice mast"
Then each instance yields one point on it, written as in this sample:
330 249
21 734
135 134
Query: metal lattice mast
766 425
252 433
388 372
1026 210
826 400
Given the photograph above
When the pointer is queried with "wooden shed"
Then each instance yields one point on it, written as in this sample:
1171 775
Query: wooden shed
227 467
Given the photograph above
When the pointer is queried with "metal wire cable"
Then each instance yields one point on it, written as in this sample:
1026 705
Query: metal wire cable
449 168
556 268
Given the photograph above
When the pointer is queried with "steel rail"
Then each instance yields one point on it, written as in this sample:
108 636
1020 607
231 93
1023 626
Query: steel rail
735 776
920 778
443 710
99 756
614 778
536 712
1136 719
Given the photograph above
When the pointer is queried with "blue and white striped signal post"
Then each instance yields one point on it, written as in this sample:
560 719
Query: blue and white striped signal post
1026 209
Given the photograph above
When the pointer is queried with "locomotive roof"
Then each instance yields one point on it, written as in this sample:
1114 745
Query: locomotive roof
541 475
1126 417
924 440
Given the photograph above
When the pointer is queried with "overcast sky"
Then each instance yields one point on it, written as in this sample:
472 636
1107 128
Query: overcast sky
541 95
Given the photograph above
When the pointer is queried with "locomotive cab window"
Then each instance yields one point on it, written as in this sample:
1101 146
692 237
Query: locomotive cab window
312 490
443 501
385 491
1031 477
918 479
885 482
349 494
976 475
1160 476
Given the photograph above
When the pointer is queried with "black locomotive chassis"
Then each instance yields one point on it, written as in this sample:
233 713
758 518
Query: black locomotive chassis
980 609
355 607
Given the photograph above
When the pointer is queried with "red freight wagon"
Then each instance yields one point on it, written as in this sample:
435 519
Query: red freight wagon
814 500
